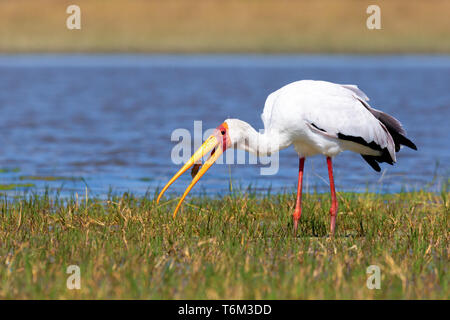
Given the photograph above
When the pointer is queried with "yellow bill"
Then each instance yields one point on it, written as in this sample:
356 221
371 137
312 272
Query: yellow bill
211 144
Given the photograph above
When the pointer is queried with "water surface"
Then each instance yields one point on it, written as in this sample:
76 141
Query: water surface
104 122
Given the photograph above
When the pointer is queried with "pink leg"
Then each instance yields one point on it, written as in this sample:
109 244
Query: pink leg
334 203
298 204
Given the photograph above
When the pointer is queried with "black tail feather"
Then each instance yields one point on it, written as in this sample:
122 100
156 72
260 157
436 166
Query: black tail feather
400 139
394 127
397 133
372 162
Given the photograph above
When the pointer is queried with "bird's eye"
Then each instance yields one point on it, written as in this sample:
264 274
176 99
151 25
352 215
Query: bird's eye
222 132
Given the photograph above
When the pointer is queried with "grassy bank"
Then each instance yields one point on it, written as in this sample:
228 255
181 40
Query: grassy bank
266 26
230 248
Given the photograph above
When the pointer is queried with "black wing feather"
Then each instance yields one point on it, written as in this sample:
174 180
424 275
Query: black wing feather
396 131
372 162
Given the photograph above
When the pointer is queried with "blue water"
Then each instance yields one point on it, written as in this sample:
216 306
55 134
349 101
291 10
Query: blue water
106 120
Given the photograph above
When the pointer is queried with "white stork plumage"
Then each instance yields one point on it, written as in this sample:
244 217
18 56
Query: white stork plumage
316 117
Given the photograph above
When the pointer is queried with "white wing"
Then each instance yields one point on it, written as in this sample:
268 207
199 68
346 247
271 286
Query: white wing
328 109
266 116
359 93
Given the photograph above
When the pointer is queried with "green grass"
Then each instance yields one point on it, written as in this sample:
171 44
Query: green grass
47 178
9 170
230 248
12 186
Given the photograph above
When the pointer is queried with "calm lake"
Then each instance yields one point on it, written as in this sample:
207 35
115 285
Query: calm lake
105 121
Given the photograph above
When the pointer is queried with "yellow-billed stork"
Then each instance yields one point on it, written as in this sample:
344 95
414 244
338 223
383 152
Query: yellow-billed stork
316 117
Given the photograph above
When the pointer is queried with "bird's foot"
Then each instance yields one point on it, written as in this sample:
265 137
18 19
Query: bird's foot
295 227
332 225
296 218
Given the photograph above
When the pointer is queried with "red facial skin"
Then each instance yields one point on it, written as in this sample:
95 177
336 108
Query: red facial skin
222 132
222 135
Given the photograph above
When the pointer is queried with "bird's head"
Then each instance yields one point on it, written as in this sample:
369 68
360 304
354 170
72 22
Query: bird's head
224 136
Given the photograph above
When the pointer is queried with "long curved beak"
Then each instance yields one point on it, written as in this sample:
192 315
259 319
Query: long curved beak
212 143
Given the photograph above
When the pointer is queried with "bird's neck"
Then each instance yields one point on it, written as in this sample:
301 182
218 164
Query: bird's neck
262 143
